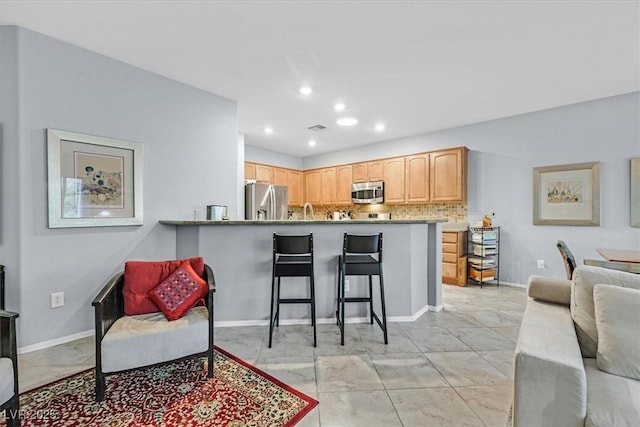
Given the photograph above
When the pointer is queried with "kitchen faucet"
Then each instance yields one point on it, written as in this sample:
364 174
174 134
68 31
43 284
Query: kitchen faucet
304 211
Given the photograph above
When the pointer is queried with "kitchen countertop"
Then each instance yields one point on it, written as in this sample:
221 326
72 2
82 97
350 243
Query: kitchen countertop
294 222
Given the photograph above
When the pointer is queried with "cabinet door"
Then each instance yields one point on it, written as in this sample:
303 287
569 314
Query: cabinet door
294 182
249 170
343 185
329 186
264 174
417 178
448 175
312 185
279 176
376 170
394 176
360 173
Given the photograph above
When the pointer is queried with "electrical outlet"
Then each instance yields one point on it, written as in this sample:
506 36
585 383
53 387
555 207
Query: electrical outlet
541 263
57 299
346 286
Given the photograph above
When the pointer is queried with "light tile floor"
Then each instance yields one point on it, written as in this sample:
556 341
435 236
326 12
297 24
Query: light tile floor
450 368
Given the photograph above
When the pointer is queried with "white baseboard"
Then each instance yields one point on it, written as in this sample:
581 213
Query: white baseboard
436 308
50 343
515 285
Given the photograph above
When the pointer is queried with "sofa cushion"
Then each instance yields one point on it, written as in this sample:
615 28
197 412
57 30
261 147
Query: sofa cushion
612 400
147 339
618 323
179 292
582 309
142 276
6 380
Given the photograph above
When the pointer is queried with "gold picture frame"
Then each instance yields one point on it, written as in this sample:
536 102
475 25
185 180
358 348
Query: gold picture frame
93 181
567 194
635 192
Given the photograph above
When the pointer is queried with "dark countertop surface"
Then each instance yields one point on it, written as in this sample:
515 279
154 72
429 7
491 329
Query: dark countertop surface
299 222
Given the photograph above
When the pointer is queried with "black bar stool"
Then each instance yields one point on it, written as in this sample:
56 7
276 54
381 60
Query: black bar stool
292 257
361 256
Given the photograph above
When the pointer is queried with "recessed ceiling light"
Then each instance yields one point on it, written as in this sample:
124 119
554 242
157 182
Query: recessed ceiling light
268 130
339 106
306 90
347 121
380 127
312 142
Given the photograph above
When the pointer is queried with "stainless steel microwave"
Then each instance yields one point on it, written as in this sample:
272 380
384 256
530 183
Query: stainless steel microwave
367 192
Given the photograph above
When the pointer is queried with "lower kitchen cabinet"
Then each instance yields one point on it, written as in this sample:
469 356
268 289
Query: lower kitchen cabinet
454 258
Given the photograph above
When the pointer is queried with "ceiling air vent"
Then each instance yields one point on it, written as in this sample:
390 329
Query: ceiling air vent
317 128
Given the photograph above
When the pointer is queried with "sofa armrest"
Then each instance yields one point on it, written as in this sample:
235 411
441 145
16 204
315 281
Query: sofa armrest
550 289
550 385
108 305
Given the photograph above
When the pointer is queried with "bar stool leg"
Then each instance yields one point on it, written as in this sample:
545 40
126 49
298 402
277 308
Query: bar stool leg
313 309
370 299
384 311
339 278
278 304
271 319
342 298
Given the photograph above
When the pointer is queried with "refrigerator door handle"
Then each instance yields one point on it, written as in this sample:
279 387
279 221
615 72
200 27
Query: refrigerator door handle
272 197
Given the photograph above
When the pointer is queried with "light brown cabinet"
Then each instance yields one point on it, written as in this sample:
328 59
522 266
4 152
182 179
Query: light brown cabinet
360 172
368 171
249 170
417 178
376 170
313 186
394 180
295 184
328 177
448 175
264 174
280 176
454 258
344 178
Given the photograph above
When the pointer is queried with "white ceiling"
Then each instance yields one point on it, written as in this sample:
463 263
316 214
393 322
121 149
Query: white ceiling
418 66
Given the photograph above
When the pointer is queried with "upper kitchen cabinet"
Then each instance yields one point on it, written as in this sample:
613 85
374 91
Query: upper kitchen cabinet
368 171
249 170
313 186
448 175
417 178
344 178
328 186
360 172
295 183
280 176
394 180
376 170
264 174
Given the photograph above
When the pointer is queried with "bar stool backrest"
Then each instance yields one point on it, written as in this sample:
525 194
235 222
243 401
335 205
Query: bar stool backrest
293 244
363 244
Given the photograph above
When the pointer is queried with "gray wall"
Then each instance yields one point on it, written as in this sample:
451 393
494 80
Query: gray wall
260 155
191 151
503 154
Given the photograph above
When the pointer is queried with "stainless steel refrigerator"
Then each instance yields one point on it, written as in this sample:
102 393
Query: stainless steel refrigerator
265 201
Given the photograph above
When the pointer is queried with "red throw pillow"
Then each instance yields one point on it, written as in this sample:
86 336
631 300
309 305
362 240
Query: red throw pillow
179 292
142 276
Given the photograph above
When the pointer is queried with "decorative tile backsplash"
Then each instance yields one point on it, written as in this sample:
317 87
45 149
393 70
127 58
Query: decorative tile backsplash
452 211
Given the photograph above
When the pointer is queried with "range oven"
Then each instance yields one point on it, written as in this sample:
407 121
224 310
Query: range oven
367 192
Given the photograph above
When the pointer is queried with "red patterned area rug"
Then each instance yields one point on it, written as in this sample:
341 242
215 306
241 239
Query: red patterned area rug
178 394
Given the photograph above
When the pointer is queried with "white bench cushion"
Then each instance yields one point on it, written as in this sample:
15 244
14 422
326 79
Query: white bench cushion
6 380
147 339
612 400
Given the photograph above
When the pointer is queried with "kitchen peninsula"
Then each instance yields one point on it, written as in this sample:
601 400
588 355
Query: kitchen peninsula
240 253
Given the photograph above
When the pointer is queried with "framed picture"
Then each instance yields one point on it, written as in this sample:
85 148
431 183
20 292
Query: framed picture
567 194
93 181
635 192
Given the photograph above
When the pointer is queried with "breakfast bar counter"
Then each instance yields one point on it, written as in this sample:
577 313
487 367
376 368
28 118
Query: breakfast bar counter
240 253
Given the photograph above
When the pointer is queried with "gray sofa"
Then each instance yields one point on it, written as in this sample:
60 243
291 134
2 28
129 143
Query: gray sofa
559 367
